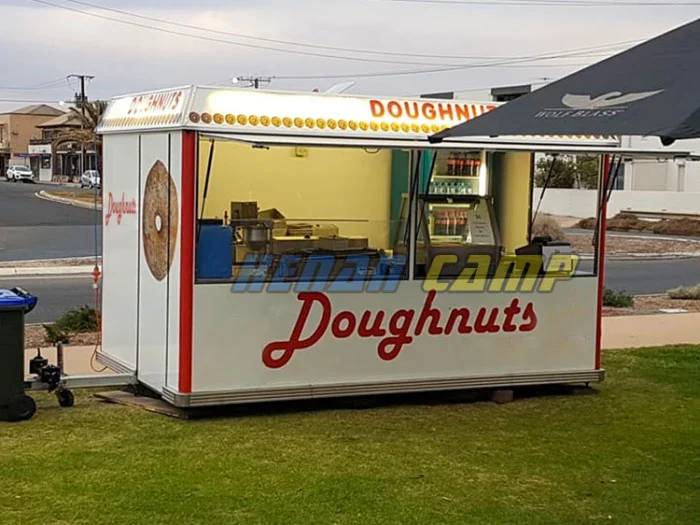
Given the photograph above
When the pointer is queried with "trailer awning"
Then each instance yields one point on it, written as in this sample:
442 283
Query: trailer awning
505 144
649 90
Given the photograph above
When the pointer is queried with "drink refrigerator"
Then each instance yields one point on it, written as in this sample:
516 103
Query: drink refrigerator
455 215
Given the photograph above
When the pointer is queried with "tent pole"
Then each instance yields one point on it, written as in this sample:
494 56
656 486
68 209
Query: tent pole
427 189
544 189
600 255
206 186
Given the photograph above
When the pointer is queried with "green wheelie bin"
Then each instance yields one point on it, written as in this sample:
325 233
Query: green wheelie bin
15 405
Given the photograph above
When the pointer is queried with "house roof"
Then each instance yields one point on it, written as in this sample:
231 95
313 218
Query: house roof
67 120
36 109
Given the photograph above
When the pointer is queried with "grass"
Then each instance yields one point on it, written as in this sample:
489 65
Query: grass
630 454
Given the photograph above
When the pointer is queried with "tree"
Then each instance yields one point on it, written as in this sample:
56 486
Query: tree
587 170
85 137
570 171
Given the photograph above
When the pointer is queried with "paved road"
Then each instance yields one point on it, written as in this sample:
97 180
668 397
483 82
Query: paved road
56 294
649 277
33 228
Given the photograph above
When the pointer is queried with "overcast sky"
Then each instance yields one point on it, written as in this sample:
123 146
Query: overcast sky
41 43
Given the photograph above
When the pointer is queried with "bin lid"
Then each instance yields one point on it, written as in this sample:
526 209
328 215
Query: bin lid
16 299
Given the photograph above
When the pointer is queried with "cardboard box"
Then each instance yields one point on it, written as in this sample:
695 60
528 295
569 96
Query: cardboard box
244 210
358 243
293 244
314 230
300 229
334 244
325 230
272 213
276 217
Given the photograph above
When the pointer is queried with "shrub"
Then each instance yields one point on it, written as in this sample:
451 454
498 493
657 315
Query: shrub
618 299
546 225
586 224
685 292
627 222
80 320
685 226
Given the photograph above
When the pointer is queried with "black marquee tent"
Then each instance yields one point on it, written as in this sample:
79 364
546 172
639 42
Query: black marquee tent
652 89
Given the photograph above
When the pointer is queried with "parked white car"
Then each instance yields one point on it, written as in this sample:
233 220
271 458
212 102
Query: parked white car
18 173
90 179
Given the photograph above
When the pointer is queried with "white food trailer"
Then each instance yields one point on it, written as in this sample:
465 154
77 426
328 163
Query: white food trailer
265 246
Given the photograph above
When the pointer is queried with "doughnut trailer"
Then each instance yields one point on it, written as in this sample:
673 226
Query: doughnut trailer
268 246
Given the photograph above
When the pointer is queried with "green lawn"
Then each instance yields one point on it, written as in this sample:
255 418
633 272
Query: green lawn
630 454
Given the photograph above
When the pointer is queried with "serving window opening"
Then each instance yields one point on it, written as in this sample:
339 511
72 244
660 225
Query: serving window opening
275 213
327 215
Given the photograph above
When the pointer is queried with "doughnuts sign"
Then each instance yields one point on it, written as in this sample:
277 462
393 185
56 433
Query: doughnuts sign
159 221
155 103
119 208
414 110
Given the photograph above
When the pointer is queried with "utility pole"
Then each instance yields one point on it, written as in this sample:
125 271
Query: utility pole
81 101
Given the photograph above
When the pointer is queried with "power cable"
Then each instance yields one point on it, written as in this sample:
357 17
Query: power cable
285 42
51 84
548 3
416 71
222 41
256 46
29 101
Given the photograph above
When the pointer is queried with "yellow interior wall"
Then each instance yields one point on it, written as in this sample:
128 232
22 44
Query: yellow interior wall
511 190
328 184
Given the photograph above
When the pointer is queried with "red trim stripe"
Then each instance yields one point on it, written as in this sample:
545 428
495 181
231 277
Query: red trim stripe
187 260
601 259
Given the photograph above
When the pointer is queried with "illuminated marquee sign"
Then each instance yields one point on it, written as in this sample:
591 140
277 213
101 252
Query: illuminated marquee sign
227 110
147 110
222 110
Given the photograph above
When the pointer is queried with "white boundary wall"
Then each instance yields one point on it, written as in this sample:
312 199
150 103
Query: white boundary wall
581 203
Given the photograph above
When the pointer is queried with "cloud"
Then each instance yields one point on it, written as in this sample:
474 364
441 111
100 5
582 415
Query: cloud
42 43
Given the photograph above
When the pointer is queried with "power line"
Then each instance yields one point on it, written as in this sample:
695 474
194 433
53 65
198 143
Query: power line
279 41
222 41
29 101
393 73
218 40
406 72
550 3
50 84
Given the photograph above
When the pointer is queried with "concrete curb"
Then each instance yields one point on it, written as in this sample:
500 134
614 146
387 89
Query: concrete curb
70 202
636 235
56 270
645 256
63 184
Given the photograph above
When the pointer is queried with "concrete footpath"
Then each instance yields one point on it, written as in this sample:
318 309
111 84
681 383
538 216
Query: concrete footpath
618 332
76 360
631 331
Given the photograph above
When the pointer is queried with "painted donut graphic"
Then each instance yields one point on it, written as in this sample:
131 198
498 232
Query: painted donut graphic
160 220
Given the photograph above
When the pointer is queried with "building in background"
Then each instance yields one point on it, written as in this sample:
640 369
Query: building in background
18 128
58 154
678 175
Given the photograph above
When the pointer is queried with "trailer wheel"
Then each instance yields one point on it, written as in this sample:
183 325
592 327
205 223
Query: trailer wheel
21 408
66 398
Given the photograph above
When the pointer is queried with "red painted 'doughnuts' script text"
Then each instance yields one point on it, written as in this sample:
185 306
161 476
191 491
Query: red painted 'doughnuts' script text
119 208
398 330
